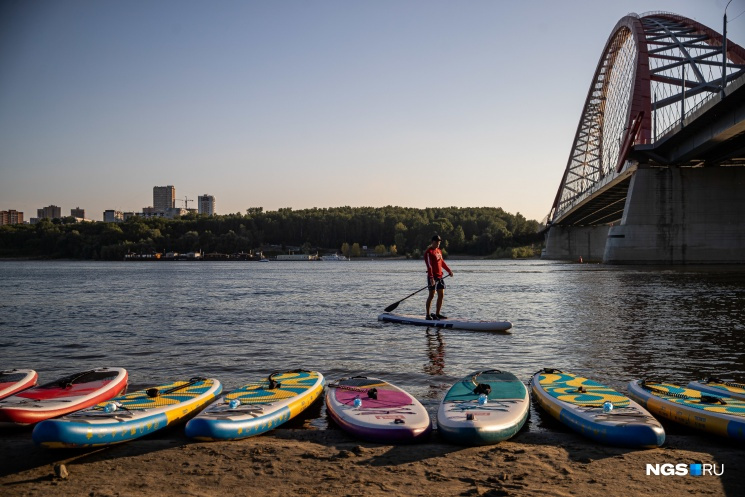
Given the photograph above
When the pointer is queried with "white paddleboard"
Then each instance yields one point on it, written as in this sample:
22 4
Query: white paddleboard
466 418
458 324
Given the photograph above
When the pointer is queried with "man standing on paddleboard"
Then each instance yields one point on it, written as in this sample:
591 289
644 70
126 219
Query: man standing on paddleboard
435 263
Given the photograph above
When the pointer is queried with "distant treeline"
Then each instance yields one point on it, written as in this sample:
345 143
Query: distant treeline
479 231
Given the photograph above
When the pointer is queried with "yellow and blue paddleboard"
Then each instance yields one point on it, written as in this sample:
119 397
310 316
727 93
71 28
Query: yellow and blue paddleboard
595 410
257 407
128 416
716 414
716 386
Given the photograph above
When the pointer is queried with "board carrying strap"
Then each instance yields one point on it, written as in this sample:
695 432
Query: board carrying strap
274 384
723 382
154 392
704 399
483 388
68 381
371 392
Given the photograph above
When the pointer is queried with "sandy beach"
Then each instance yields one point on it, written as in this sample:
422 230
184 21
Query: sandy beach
329 462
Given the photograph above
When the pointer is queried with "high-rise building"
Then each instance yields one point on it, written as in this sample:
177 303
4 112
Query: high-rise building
78 212
112 216
49 212
11 216
206 204
164 197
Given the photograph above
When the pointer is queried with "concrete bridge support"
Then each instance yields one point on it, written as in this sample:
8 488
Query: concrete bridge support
677 215
573 242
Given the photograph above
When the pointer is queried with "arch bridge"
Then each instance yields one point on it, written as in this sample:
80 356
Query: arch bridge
656 172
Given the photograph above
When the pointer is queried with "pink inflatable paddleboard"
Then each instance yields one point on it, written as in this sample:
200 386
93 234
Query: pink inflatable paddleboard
375 410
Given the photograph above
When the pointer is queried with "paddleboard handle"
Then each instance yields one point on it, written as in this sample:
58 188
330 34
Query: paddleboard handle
154 392
371 392
708 399
550 371
482 389
649 385
68 381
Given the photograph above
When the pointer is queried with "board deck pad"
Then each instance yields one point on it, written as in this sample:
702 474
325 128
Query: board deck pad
566 387
509 387
693 399
386 397
292 384
139 400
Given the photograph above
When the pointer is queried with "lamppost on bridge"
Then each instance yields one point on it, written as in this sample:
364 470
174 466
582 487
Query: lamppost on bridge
724 48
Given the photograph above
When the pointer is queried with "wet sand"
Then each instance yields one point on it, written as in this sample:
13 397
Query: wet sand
329 462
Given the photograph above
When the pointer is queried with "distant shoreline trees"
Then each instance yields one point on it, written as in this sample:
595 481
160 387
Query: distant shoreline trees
477 231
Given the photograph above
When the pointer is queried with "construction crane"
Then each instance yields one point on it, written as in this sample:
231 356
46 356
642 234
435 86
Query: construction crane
186 201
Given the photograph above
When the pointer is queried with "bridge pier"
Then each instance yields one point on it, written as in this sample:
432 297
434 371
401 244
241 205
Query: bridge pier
677 215
573 242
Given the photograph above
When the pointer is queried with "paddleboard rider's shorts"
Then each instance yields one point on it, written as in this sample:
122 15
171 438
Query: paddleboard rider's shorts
439 284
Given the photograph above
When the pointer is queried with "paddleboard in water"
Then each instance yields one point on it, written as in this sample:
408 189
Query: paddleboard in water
66 395
716 386
716 414
16 380
457 324
129 416
580 404
465 419
257 407
375 410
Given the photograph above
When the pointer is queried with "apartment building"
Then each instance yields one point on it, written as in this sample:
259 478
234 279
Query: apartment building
206 204
164 197
11 216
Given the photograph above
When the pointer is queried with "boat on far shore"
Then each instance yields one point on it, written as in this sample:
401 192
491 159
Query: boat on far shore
333 257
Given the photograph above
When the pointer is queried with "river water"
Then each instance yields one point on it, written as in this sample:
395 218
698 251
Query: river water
237 321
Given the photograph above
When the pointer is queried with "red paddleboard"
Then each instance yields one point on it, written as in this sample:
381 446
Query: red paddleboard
66 395
15 380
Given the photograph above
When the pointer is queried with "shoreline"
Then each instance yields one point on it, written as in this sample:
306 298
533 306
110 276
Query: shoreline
329 462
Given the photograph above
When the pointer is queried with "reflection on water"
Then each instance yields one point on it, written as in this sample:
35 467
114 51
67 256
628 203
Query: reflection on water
435 352
236 321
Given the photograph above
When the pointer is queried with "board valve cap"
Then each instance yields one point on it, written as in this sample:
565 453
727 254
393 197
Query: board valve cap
483 399
357 402
608 406
234 403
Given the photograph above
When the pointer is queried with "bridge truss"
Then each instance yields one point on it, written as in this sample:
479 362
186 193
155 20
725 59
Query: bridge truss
655 71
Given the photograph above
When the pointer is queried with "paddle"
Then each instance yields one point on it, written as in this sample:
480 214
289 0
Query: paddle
395 304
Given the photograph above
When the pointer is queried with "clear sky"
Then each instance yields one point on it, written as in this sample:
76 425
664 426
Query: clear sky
301 103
